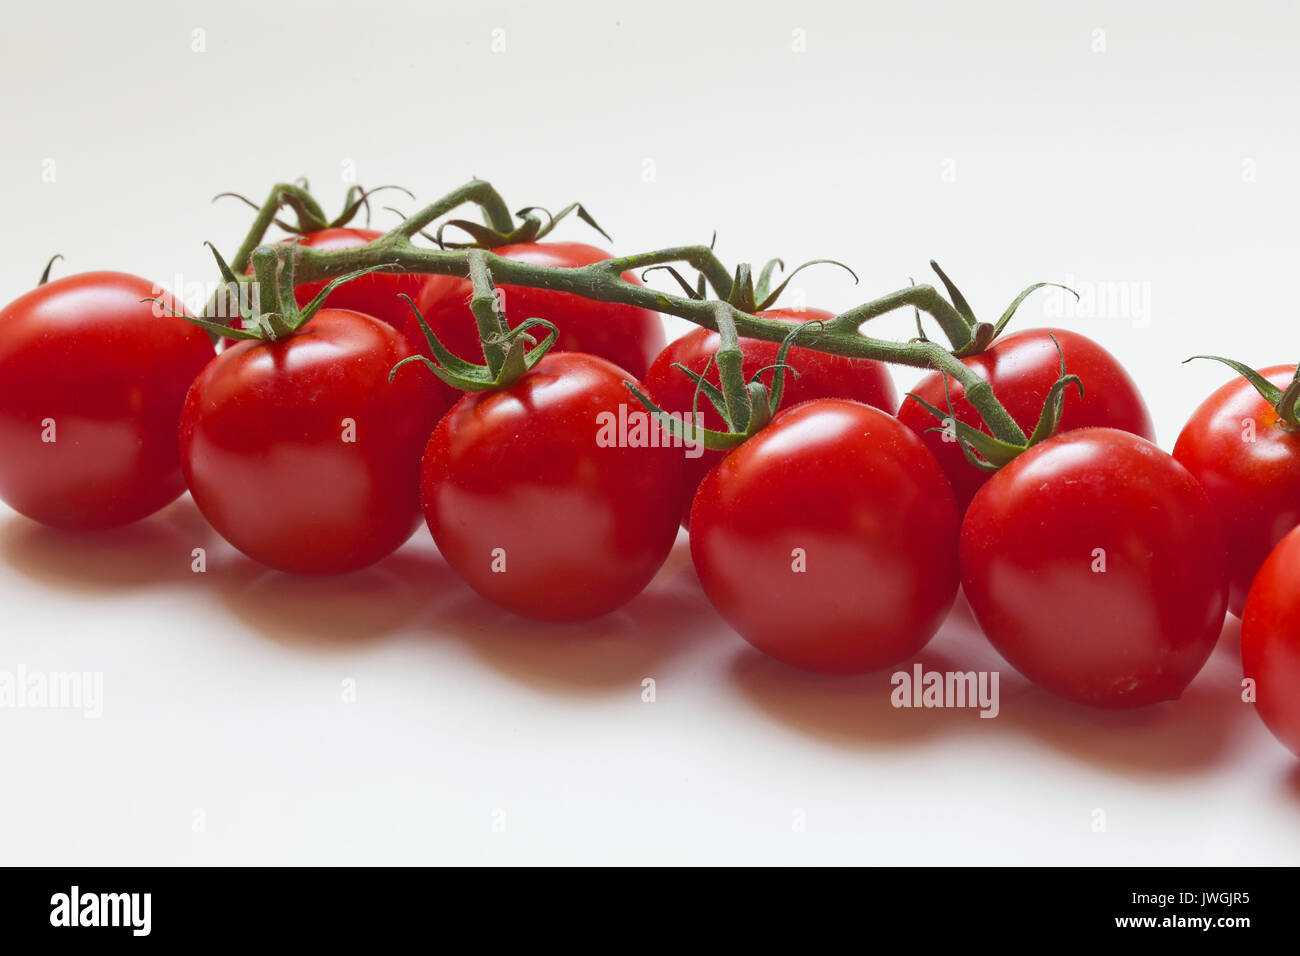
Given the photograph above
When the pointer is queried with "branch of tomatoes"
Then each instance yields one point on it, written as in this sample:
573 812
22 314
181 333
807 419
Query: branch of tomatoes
604 282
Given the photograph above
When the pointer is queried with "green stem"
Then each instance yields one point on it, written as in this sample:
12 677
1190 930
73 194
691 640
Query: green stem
731 374
478 191
604 282
486 309
923 297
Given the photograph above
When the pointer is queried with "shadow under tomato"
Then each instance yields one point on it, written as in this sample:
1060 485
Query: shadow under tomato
1185 736
615 651
337 612
153 551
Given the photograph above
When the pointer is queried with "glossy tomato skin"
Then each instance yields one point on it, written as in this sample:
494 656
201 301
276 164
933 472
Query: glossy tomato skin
1270 641
83 356
1250 468
820 376
627 336
852 496
1022 367
1095 564
534 509
300 452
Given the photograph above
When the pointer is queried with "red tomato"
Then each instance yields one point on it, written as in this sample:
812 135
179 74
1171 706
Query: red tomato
1250 468
820 376
1095 564
627 336
301 454
91 385
1270 641
1022 368
533 501
829 539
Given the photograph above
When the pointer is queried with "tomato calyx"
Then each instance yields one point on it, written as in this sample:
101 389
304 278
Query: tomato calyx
746 407
987 452
745 294
266 326
310 215
980 335
535 223
1286 402
508 353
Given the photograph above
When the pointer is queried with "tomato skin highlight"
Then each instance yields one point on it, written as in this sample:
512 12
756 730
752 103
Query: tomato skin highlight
1022 367
868 507
1270 641
1132 634
518 476
1253 482
111 373
622 334
266 451
820 376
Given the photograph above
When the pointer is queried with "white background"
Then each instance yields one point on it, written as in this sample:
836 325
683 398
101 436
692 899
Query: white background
1097 143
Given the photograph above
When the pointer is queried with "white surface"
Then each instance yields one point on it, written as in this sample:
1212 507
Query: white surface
223 691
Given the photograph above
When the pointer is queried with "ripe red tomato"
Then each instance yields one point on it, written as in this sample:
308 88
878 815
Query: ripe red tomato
302 454
820 376
534 502
829 539
1250 468
627 336
1022 368
91 385
1270 641
1095 564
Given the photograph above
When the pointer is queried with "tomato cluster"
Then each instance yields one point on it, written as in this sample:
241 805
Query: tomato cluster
834 537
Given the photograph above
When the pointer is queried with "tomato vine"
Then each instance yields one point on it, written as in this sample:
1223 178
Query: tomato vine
604 281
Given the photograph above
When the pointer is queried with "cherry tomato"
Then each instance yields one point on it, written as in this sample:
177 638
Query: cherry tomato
91 385
301 453
1270 641
1095 564
820 376
1022 368
627 336
829 539
535 501
1250 467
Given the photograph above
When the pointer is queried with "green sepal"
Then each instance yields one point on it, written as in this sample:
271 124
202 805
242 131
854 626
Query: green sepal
958 300
471 377
677 427
1011 309
1286 402
312 307
992 453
